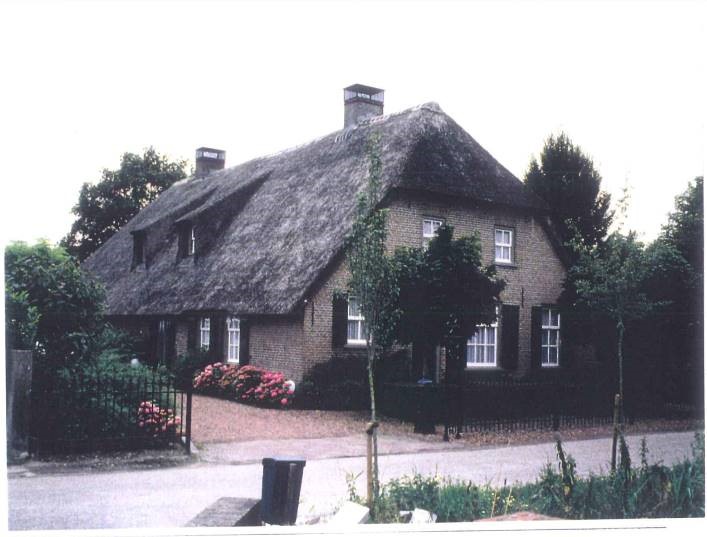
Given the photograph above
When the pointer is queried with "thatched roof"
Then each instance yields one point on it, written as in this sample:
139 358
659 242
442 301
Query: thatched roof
266 229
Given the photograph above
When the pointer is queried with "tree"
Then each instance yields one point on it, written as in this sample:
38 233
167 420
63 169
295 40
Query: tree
610 280
53 306
676 280
372 286
567 180
443 294
685 227
103 208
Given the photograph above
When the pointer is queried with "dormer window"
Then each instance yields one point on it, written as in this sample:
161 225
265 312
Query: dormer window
138 248
191 241
187 240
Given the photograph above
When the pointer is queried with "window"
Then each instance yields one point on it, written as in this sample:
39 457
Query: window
357 333
550 348
504 246
187 239
429 228
138 248
233 327
481 347
205 332
191 243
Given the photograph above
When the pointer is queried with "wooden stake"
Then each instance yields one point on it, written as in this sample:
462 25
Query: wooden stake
371 478
617 405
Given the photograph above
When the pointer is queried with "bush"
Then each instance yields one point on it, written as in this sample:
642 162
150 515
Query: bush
188 365
337 384
52 300
156 421
245 384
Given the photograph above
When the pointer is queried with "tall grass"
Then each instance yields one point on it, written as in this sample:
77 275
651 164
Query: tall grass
645 491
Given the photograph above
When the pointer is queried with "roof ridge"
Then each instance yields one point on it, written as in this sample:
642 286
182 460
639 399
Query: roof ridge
430 106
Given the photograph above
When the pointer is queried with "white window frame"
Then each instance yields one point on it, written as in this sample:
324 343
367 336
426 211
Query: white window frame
503 245
191 241
549 328
435 224
233 349
360 323
470 343
205 332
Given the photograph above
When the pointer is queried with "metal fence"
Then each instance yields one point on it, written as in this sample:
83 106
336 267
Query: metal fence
508 405
81 413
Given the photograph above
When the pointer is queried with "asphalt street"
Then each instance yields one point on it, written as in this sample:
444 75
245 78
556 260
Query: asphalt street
170 497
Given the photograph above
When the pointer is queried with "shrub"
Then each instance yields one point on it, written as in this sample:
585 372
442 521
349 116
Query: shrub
156 421
188 365
52 300
246 384
337 384
208 381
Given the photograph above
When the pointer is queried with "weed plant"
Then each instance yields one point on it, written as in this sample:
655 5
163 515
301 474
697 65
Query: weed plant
646 491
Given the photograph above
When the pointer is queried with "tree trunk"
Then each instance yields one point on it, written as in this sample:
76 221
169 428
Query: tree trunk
620 328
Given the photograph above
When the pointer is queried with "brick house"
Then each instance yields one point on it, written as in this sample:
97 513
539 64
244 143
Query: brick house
246 260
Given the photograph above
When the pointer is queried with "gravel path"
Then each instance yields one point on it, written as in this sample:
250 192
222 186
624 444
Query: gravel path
219 421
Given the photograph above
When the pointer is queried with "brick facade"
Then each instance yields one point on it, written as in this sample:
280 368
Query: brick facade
535 276
276 344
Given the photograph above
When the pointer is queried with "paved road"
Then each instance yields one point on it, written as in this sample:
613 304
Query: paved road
170 497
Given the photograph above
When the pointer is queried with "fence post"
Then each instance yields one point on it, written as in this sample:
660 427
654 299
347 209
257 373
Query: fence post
188 438
18 383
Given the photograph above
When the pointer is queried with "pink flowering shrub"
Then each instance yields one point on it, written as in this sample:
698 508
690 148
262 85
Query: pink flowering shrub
156 421
214 378
246 384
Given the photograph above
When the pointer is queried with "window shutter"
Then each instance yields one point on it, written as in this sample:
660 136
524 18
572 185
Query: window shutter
536 320
192 332
216 330
509 336
153 342
171 340
181 243
244 350
339 320
566 326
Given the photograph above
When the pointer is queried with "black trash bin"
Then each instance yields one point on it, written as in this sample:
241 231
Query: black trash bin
426 407
282 481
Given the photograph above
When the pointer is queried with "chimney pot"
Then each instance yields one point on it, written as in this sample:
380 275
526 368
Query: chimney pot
208 160
361 102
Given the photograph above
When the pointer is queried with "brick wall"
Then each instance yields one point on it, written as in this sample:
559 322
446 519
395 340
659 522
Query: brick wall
534 278
181 336
276 344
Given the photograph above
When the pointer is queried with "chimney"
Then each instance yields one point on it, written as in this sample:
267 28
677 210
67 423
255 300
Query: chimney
361 102
208 160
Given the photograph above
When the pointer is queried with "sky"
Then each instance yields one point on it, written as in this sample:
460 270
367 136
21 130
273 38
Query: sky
84 82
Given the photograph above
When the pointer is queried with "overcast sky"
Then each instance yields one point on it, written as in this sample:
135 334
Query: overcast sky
84 82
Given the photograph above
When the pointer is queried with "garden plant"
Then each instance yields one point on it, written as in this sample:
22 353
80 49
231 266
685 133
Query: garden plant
245 384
